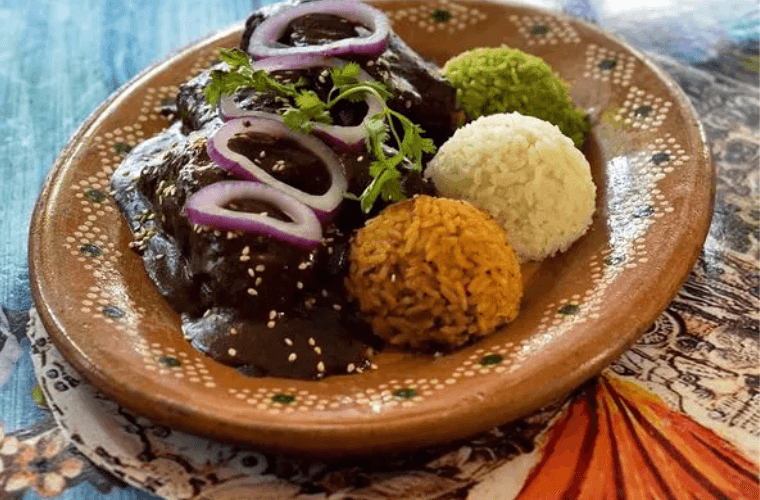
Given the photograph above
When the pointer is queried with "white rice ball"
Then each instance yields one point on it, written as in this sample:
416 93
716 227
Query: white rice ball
526 174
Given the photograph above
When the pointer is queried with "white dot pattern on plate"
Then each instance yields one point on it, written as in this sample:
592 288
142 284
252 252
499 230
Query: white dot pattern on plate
609 66
544 30
439 17
643 110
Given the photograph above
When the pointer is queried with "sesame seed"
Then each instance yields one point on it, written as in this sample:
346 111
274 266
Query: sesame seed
360 158
292 357
351 367
271 324
272 314
251 273
302 266
160 256
233 331
260 268
312 342
231 351
299 285
262 154
258 281
288 341
337 307
207 313
318 350
246 250
217 233
245 258
252 291
324 292
320 366
373 366
408 104
330 250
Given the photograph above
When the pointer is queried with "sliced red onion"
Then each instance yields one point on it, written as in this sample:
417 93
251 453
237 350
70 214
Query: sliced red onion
350 138
263 42
206 208
323 205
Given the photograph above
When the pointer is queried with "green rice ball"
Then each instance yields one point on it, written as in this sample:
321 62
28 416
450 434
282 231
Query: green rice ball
492 80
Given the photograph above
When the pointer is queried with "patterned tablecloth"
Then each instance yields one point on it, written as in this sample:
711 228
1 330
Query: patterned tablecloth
675 417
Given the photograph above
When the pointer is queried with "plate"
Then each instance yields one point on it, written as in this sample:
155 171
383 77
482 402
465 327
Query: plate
580 310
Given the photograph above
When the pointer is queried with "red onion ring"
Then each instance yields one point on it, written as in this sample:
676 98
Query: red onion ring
350 138
323 205
206 208
263 42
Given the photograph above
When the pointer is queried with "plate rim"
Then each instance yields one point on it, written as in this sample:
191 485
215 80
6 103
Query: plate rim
403 437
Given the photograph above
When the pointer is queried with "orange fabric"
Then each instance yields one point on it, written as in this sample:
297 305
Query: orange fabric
618 442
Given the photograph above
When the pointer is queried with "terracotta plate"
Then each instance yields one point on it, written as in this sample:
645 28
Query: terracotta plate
655 192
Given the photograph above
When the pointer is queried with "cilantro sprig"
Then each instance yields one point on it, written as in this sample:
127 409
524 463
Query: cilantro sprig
385 128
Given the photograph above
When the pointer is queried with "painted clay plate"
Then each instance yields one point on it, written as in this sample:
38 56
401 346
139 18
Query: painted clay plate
580 310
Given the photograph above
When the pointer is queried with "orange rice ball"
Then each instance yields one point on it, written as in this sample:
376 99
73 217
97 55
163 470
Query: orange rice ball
434 272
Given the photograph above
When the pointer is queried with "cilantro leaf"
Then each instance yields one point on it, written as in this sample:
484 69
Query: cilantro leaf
308 108
295 119
313 107
347 74
234 57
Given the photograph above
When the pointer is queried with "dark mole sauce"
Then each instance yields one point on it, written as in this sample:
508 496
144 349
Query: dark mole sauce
260 305
319 29
257 207
285 160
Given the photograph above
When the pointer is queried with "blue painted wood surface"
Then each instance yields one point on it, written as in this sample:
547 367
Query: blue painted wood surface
60 58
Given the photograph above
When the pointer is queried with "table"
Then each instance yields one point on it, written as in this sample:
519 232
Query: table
696 369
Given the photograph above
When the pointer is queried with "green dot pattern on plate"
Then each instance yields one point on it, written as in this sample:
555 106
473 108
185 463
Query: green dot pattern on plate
569 309
170 361
95 195
114 312
643 111
122 148
407 393
91 250
660 158
441 15
608 64
491 359
283 398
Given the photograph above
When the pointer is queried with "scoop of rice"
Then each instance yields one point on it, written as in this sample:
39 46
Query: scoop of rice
431 272
526 174
502 79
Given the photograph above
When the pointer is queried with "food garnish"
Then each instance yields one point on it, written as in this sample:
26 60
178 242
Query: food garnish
345 137
318 182
381 129
368 29
211 207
